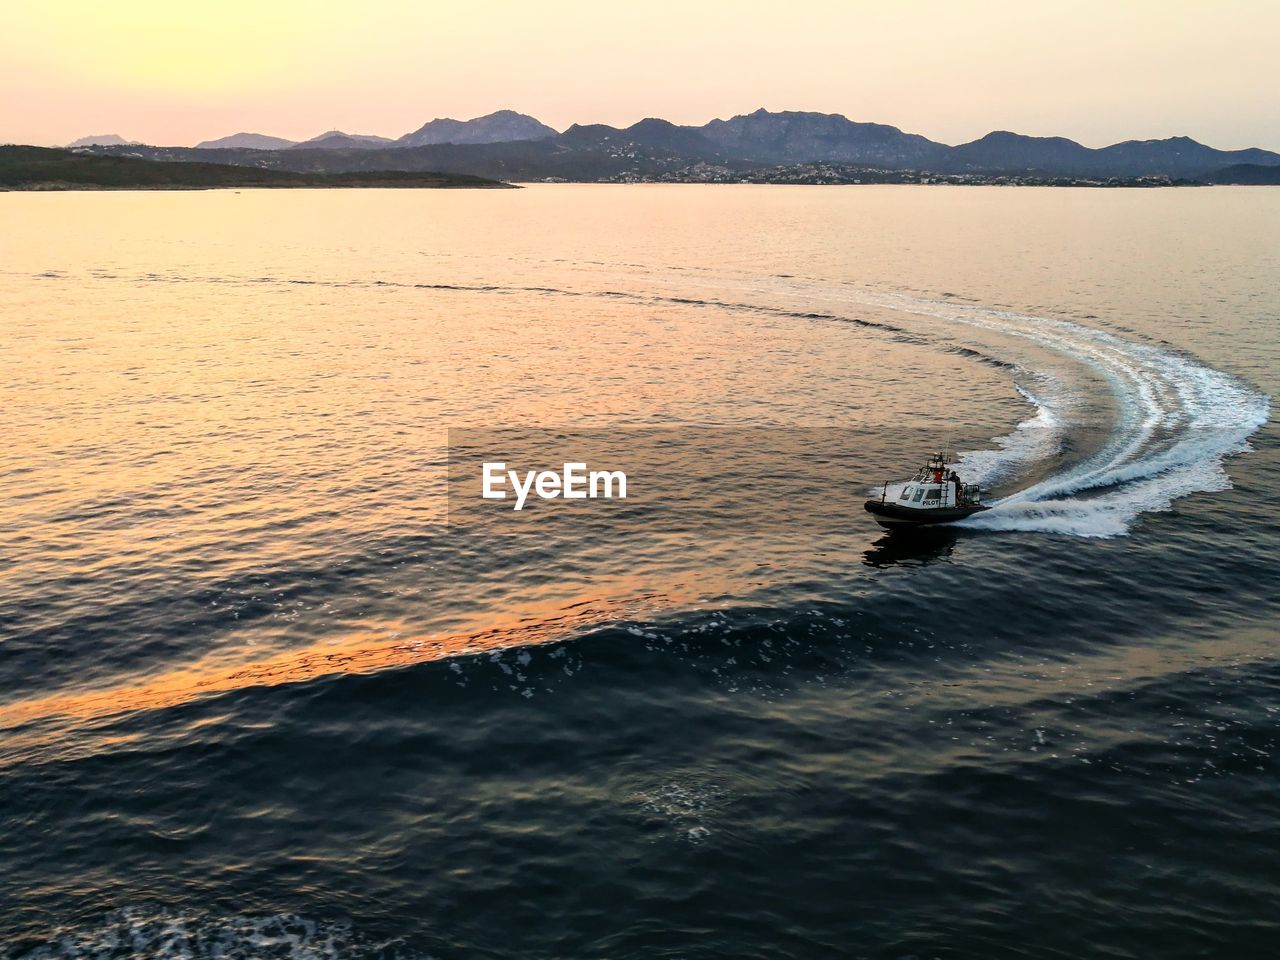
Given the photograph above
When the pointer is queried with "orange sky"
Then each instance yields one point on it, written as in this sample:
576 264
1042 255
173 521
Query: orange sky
170 72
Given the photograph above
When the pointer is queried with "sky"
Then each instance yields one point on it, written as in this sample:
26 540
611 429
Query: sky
174 72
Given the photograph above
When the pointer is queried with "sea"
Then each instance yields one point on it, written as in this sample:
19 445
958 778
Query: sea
275 681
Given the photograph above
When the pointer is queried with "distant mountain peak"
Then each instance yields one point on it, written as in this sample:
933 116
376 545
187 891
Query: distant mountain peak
340 140
329 134
246 141
501 126
103 140
654 123
793 136
1009 137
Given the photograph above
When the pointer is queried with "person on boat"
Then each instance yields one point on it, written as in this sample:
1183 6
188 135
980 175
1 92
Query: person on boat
955 478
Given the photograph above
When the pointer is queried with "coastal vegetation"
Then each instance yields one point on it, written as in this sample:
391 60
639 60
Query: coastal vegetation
42 168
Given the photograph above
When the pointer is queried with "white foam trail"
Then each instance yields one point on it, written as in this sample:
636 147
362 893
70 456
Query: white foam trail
1180 419
1032 440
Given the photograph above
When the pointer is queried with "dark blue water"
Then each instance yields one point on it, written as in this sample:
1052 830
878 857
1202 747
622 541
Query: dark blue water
262 696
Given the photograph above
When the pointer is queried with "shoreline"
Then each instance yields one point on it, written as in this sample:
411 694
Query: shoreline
64 187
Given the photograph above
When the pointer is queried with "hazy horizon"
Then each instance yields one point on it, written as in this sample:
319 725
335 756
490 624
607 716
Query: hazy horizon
1091 72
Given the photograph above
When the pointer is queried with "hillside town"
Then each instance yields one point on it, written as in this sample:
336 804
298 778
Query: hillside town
843 175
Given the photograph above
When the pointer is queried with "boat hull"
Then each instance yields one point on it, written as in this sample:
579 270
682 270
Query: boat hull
893 516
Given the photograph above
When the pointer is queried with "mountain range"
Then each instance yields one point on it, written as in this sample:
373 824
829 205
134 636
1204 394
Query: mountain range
512 145
503 126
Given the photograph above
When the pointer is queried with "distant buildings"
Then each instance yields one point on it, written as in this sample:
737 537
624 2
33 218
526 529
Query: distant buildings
838 174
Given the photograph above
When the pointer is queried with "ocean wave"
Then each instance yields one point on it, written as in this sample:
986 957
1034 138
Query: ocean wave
152 933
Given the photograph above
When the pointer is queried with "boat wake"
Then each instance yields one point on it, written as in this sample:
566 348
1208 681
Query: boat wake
1178 420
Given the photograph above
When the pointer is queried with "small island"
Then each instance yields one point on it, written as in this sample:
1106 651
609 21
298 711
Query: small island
44 168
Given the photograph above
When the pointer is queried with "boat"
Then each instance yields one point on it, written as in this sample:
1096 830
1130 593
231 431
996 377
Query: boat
935 495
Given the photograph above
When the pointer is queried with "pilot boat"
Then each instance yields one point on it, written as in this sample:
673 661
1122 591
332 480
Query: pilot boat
935 495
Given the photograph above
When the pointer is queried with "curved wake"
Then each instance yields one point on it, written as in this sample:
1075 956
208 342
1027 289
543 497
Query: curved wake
1179 420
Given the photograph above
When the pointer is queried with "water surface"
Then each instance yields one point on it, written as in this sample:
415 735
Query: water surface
258 692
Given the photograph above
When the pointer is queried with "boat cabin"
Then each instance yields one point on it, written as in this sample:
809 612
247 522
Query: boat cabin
935 486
